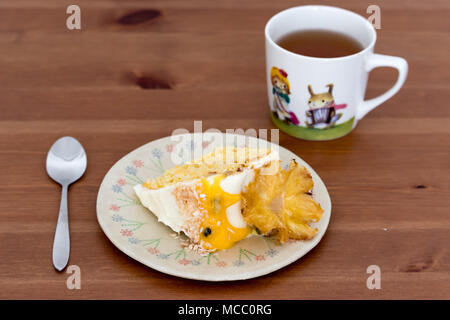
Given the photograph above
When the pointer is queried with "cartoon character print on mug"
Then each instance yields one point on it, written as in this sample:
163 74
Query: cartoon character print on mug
321 110
281 90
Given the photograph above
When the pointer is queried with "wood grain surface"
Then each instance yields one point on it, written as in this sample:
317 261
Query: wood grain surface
123 81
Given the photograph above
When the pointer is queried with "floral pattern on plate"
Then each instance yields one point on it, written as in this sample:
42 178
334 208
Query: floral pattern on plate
135 231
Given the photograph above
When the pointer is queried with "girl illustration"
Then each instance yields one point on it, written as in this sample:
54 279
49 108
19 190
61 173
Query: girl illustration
281 91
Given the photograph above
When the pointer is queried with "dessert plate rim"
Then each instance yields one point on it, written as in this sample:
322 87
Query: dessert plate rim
162 265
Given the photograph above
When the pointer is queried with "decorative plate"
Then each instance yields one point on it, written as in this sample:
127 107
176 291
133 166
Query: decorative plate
136 231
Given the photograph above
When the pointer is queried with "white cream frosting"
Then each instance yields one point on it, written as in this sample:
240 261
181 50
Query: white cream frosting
162 203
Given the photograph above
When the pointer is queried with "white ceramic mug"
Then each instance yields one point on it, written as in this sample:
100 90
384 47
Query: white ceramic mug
323 98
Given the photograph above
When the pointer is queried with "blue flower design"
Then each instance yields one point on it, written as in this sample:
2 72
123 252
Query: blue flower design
116 188
131 170
272 252
238 263
117 218
133 240
195 262
157 153
162 256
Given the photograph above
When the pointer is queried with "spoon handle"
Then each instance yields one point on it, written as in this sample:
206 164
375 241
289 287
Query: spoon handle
61 243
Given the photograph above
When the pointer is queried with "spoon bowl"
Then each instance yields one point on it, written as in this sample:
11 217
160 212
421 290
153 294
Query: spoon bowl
66 163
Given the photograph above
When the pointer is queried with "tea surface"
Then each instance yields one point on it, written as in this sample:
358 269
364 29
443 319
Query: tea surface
320 43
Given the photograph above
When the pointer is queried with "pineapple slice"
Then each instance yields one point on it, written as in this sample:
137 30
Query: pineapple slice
280 203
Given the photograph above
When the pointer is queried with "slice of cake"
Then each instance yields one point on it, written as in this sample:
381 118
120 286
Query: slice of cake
225 197
202 198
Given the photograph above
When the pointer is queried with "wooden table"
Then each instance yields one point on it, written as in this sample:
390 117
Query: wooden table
116 86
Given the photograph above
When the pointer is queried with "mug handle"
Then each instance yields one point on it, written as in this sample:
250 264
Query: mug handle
381 60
